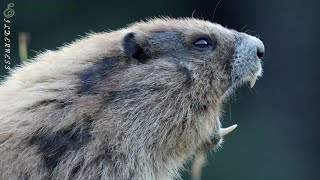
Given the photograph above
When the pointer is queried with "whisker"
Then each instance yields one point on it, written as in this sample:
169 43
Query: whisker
214 12
247 84
244 27
257 36
192 15
230 118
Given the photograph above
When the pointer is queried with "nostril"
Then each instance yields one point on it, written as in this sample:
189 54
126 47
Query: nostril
260 53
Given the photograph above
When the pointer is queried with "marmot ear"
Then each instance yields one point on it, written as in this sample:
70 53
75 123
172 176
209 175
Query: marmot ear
134 49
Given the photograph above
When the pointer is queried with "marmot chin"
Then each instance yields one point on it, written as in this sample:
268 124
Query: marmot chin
135 103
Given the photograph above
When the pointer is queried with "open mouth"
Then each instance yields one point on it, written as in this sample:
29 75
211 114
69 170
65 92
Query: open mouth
251 79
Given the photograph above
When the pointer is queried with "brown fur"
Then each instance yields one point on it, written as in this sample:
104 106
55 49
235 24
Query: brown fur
89 111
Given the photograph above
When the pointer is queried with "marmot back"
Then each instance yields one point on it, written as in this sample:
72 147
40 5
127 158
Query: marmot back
135 103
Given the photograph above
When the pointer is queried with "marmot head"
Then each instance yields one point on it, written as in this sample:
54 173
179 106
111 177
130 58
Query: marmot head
204 50
167 78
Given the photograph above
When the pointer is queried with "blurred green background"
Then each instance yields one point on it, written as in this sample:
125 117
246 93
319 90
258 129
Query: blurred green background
278 134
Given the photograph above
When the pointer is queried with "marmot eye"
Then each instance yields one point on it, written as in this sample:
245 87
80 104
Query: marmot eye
202 44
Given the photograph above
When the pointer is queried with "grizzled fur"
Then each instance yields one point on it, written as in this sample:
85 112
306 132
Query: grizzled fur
130 104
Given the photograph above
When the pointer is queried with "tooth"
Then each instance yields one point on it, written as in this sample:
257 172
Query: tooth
225 131
253 80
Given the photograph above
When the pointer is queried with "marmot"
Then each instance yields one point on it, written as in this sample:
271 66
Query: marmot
135 103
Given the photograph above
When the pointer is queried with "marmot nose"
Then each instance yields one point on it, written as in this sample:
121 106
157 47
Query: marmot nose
259 47
260 53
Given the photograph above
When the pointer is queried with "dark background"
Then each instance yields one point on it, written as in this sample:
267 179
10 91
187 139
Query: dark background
278 134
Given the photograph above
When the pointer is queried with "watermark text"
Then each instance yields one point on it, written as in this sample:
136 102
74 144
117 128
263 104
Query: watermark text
7 13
